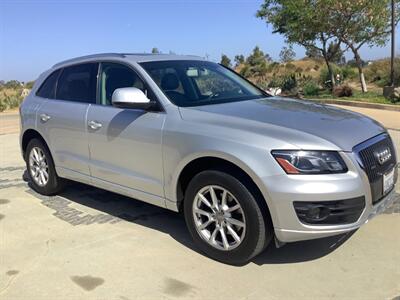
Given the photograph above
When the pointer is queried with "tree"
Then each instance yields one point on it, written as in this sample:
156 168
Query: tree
359 23
287 54
12 84
239 59
335 53
312 52
267 57
29 84
301 22
352 63
256 57
257 62
155 51
225 61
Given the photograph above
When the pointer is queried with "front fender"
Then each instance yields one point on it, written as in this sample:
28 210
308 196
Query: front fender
253 161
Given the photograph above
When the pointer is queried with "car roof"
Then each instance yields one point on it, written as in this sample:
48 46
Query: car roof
133 57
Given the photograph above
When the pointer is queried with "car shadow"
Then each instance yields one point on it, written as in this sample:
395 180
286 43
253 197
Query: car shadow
302 251
173 224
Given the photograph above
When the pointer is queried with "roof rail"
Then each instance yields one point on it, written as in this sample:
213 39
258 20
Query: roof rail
88 56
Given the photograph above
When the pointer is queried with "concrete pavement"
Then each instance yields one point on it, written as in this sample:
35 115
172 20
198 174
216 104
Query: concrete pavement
87 243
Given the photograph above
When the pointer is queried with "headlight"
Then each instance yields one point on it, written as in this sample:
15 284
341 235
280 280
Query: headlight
310 162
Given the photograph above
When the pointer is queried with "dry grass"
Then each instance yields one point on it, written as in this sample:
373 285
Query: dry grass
10 98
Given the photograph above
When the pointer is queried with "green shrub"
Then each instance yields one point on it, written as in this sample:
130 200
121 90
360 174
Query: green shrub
272 66
349 72
275 82
245 71
3 106
346 72
262 84
325 78
289 83
9 101
379 72
310 88
13 101
286 82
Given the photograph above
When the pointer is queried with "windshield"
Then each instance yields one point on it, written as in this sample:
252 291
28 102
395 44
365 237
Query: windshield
194 83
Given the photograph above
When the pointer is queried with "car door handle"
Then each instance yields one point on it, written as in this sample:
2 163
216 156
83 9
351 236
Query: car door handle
44 117
94 125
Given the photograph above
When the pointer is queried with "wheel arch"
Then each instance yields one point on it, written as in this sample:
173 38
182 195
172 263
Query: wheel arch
27 136
211 162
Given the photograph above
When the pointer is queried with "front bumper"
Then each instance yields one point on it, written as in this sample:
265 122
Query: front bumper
314 232
284 190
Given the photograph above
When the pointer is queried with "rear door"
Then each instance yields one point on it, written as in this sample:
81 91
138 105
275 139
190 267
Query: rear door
125 144
62 118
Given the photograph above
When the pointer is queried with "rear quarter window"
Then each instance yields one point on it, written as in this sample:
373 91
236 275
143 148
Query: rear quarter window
48 87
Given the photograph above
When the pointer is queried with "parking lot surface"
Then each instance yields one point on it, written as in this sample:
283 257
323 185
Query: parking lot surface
87 243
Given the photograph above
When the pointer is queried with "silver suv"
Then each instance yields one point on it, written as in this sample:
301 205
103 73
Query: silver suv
193 136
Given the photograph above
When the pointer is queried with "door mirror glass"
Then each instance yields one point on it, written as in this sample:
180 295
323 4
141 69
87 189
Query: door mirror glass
130 97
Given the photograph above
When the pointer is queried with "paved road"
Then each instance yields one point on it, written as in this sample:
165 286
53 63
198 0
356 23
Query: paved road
9 123
391 119
90 244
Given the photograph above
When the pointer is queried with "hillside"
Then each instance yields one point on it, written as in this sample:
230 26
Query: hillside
305 77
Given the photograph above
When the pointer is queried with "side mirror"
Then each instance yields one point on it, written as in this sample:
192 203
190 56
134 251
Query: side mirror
131 97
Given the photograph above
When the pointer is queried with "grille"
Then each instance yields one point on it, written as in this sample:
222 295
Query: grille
369 162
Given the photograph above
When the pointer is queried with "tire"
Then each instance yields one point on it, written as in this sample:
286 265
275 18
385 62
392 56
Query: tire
53 184
254 236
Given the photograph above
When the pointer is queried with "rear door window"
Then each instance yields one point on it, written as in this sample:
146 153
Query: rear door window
48 88
78 83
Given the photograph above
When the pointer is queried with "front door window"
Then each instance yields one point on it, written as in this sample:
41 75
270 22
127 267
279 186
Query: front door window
115 76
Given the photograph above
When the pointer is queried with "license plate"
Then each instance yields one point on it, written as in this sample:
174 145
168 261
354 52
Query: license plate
388 181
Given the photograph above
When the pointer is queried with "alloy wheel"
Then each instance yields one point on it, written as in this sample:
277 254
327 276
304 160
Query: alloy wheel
38 166
219 218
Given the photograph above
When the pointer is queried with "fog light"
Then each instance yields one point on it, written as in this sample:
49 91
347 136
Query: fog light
330 212
317 213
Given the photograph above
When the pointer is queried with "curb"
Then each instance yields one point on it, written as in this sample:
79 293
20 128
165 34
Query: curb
358 104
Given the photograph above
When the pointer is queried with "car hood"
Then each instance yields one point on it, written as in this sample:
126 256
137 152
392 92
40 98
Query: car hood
341 127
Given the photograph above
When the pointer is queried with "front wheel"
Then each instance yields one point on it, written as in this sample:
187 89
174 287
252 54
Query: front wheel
224 218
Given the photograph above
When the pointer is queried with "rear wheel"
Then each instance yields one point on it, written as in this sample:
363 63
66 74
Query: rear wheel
41 169
225 219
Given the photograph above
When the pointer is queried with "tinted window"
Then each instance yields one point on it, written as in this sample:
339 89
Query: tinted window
78 83
115 76
48 88
159 74
193 83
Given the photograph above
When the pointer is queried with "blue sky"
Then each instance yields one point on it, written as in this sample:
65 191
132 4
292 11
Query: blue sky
36 34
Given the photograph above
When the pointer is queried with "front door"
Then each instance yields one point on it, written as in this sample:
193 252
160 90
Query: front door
125 144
